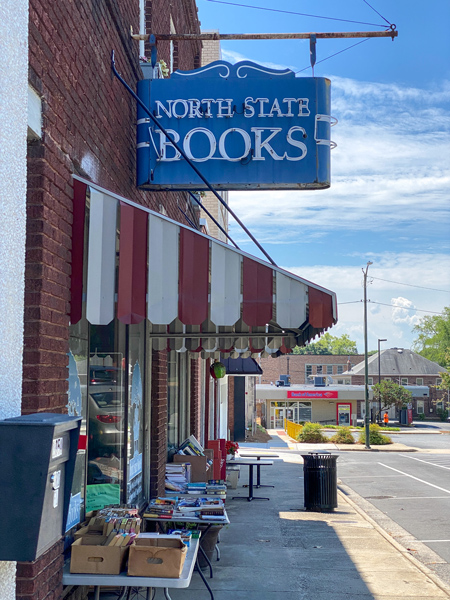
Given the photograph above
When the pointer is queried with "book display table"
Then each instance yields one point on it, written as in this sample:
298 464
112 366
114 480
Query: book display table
180 517
150 583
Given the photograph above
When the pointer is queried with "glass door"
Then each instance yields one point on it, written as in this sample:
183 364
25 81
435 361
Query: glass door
277 417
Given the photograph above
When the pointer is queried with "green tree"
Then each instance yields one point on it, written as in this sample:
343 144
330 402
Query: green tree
391 394
329 344
445 385
433 337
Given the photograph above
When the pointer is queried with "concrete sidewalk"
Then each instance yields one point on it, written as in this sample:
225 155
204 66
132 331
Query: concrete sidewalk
274 550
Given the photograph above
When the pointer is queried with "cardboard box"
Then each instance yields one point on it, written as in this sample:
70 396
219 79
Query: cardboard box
88 531
89 557
161 556
198 466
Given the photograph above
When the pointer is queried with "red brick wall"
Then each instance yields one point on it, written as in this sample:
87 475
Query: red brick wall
195 408
186 54
294 365
89 128
158 426
41 578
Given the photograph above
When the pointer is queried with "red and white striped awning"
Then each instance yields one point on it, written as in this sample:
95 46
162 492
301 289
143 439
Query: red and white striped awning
197 293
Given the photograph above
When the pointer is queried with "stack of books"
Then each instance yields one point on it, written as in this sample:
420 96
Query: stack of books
198 488
191 446
177 476
216 487
160 508
212 509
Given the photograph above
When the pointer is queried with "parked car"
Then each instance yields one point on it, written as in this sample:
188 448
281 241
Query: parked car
106 420
104 375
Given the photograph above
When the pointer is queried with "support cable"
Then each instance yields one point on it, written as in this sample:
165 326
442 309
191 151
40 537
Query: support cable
374 9
188 160
194 197
188 220
335 54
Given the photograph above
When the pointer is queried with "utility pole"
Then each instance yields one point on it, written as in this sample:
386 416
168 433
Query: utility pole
366 367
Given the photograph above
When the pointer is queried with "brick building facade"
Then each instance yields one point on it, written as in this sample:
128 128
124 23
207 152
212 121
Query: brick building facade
300 366
407 368
81 194
88 129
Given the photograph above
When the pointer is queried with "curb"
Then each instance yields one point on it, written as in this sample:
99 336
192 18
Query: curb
404 551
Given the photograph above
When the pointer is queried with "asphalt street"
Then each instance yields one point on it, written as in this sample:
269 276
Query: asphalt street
408 494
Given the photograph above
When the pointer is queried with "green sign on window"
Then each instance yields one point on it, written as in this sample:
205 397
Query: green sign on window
101 495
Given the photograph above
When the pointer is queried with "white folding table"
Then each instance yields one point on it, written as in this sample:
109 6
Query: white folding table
151 583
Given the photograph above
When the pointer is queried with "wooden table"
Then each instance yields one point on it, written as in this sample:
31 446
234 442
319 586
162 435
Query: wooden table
251 463
151 583
258 470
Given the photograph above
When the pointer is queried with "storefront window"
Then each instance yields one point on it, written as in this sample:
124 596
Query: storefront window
304 411
136 353
106 412
76 407
178 412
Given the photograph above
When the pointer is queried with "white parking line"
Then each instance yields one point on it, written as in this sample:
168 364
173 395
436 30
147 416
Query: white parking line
417 498
427 462
366 476
433 541
416 478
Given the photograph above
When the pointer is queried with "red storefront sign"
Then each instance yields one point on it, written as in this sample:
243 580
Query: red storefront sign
312 394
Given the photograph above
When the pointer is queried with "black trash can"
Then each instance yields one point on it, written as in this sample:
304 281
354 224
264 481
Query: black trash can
320 481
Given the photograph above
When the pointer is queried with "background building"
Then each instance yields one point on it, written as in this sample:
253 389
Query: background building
407 368
301 367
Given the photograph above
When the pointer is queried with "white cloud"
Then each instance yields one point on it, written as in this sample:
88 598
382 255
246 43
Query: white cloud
234 57
402 312
391 161
389 303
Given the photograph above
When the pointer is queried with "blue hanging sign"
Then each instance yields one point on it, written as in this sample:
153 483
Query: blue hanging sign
244 126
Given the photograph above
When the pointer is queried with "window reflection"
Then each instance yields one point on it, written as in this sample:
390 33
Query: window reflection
106 406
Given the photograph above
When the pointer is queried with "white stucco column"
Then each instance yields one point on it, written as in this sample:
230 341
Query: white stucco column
13 148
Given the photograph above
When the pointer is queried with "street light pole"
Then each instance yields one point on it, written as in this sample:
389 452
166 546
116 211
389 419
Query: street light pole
379 378
366 367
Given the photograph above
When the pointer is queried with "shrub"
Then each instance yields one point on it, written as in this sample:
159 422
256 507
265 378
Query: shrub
376 438
343 436
421 416
311 434
442 414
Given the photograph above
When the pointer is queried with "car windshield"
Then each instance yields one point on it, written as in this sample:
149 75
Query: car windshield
102 376
107 399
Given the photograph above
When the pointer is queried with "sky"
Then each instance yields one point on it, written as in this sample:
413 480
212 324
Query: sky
389 200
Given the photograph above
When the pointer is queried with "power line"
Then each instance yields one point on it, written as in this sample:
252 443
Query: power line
412 285
331 55
289 12
392 306
406 308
